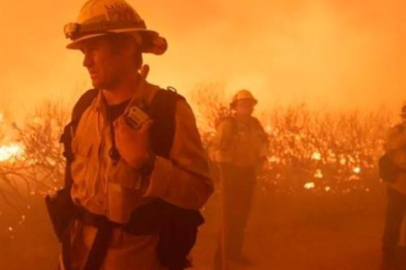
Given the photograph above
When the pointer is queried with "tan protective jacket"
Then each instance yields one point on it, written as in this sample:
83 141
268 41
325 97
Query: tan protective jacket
242 143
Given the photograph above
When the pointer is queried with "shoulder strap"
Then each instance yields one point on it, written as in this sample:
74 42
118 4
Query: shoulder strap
162 111
233 123
82 104
80 107
232 120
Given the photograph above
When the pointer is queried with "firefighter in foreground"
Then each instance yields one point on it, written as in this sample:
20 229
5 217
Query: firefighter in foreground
136 170
393 172
240 148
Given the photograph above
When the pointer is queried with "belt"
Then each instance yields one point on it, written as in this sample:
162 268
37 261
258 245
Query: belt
177 229
104 227
95 220
100 245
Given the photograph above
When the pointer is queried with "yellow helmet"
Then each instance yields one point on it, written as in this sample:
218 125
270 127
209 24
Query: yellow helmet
241 95
101 17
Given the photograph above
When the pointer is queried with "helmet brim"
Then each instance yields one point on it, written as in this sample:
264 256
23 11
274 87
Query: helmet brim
77 43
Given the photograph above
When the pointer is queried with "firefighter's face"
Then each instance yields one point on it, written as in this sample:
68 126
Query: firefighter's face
245 107
106 65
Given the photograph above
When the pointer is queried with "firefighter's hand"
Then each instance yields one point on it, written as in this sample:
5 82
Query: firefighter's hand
133 144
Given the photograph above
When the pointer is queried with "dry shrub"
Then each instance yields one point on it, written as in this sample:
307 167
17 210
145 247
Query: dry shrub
310 150
38 168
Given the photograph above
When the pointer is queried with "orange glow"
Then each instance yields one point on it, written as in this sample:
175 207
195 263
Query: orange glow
320 52
309 185
10 152
357 170
316 156
318 174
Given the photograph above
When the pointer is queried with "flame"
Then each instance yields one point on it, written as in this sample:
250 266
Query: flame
316 156
274 159
318 174
309 185
8 152
357 170
268 129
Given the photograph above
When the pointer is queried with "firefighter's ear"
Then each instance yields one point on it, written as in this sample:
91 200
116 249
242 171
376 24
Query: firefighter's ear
144 70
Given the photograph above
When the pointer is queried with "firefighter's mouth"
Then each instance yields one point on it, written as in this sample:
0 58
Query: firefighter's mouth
93 74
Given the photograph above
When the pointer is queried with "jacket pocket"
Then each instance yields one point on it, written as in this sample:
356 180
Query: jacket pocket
125 191
81 161
124 175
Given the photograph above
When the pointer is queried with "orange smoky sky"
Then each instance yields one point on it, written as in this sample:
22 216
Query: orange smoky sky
336 53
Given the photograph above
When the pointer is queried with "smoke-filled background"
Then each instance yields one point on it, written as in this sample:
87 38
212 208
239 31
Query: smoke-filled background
329 77
338 54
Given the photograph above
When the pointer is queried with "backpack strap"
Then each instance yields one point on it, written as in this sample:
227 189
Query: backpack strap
82 104
177 227
162 110
66 139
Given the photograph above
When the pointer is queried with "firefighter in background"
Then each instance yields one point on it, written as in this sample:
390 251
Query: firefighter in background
395 149
239 148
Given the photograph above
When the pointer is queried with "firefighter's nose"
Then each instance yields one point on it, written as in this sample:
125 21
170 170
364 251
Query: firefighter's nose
87 60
